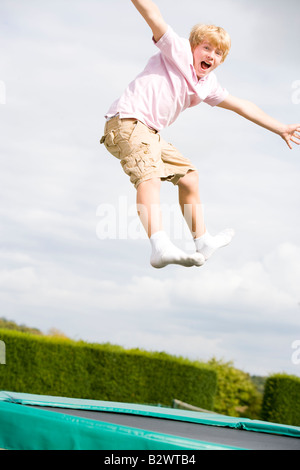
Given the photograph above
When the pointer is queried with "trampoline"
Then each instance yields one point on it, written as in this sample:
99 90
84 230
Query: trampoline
37 422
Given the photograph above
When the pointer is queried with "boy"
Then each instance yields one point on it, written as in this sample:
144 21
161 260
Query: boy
179 76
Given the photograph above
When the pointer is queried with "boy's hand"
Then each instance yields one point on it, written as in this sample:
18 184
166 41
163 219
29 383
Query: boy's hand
291 133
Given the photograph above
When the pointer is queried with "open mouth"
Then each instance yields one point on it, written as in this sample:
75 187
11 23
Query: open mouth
205 65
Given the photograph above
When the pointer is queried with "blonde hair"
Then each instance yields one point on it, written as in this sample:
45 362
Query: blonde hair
216 35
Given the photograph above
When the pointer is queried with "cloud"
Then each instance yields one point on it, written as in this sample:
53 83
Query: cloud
200 313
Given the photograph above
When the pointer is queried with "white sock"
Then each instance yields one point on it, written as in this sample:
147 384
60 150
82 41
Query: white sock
164 252
207 244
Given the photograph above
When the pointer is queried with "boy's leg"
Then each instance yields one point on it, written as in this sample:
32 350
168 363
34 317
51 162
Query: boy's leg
148 205
190 203
191 207
164 252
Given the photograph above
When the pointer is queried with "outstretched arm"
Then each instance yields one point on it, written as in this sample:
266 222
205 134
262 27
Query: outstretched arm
247 109
150 12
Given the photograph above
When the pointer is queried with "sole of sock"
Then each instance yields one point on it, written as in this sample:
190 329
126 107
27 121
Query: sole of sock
159 261
225 238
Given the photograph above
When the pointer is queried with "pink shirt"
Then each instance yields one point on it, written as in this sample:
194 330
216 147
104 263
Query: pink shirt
167 86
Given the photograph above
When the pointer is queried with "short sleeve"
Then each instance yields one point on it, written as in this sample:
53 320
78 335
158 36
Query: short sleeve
217 93
177 50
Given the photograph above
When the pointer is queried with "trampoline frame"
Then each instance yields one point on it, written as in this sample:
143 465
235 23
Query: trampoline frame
38 422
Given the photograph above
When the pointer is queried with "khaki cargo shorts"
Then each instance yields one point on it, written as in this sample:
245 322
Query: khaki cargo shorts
142 152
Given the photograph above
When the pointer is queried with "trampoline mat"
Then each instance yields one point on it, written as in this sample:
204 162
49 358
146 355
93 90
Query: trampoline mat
202 432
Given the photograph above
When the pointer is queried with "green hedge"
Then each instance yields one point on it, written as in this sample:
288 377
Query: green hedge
62 367
236 393
281 403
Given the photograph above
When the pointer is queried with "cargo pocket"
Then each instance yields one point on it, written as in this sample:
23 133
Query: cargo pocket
140 163
111 146
133 167
128 128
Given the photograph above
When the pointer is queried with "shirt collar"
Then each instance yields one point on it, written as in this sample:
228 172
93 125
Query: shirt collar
202 79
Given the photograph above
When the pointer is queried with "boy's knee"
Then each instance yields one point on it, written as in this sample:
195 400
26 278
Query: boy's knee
190 181
150 184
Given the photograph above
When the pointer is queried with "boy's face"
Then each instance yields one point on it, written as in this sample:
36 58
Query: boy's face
206 58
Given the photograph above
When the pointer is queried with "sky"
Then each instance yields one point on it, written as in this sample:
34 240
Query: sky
72 253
